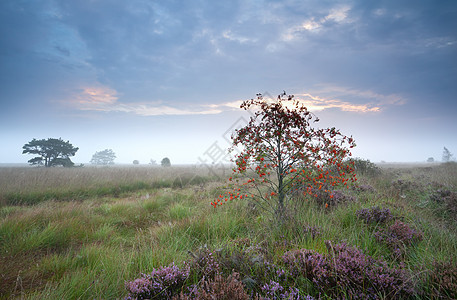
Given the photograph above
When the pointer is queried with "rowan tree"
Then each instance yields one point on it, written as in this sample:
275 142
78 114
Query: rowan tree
281 153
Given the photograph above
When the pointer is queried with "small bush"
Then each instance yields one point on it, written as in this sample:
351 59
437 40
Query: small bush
403 185
440 195
162 283
374 215
327 198
443 280
206 265
364 188
251 263
365 167
274 290
398 237
447 198
348 271
222 288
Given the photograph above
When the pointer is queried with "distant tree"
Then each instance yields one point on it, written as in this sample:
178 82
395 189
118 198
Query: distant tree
105 157
430 159
165 162
51 152
153 162
447 155
136 162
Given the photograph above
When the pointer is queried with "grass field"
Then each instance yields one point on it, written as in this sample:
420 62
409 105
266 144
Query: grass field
82 233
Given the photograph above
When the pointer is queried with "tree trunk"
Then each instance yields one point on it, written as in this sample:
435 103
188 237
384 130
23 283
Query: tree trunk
280 207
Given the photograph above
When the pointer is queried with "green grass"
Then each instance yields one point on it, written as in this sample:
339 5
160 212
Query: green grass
86 247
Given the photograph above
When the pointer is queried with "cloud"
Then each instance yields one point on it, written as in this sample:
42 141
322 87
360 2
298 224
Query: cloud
95 98
145 109
354 94
316 103
336 15
362 101
229 35
104 99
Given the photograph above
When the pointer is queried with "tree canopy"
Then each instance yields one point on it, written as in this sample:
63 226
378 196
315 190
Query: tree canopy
105 157
447 155
165 162
51 152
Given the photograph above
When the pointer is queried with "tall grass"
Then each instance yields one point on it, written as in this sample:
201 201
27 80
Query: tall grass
31 185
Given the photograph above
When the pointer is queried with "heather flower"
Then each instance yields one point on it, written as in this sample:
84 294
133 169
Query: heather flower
274 290
397 237
348 271
331 198
443 280
365 188
314 231
162 283
219 288
374 215
448 198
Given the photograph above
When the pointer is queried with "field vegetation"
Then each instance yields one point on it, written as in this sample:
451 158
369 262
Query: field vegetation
145 232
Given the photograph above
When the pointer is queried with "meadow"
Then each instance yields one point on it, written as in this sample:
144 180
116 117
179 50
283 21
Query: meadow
90 233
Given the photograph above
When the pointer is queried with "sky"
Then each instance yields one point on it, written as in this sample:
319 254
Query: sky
153 79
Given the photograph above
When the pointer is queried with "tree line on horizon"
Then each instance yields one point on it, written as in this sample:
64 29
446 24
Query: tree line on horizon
57 152
54 152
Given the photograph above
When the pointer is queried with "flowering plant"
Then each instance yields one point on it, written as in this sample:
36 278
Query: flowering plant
282 153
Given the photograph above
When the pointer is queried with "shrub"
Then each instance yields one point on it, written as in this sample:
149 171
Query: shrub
443 280
220 287
440 195
398 237
374 215
403 185
348 271
327 198
162 283
274 290
448 198
206 264
365 167
251 263
364 188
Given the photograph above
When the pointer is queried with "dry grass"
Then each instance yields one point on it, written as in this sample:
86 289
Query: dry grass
29 185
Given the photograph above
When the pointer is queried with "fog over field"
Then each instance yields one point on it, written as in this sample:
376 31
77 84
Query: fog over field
152 79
